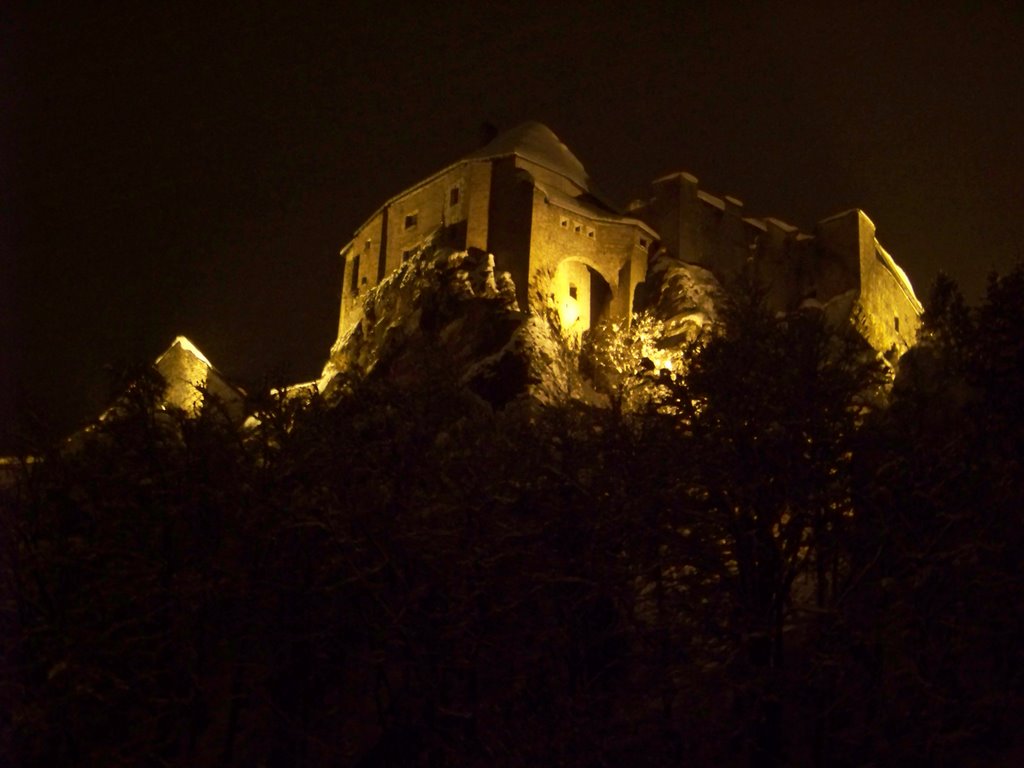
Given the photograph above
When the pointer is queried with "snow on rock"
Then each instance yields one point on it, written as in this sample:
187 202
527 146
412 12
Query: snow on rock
534 362
451 308
687 299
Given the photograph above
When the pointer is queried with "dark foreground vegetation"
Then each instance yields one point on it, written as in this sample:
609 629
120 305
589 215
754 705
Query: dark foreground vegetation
774 564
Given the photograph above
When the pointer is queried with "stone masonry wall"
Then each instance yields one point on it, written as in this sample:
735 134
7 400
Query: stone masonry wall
460 195
361 267
889 311
509 216
417 214
564 233
539 222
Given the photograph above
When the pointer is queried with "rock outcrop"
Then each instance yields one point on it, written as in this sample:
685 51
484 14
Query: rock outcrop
451 308
687 299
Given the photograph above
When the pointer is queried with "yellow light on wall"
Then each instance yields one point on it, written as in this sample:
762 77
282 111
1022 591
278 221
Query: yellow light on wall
570 312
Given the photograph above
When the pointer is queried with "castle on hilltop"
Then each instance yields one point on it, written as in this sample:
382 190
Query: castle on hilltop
525 198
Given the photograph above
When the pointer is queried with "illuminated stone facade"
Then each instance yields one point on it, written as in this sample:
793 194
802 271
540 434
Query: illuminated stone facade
841 266
526 199
190 376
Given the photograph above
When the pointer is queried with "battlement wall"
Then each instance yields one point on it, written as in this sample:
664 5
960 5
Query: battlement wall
528 201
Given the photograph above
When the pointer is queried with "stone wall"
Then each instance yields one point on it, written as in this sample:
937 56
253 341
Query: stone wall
538 222
509 216
478 199
573 284
842 258
420 212
784 260
837 267
615 249
362 264
457 199
889 308
697 227
849 256
674 213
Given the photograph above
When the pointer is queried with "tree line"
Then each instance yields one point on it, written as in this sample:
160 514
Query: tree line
778 558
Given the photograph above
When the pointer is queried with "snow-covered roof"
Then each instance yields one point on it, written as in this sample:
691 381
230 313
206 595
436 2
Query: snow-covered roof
531 141
537 143
845 214
187 345
901 277
784 226
594 212
710 199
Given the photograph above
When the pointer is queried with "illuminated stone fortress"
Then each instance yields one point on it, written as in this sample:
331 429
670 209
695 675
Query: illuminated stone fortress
526 199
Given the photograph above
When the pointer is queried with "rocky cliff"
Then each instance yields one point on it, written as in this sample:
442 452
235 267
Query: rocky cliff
451 308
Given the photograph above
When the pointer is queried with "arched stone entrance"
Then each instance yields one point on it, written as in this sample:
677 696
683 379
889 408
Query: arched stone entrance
583 296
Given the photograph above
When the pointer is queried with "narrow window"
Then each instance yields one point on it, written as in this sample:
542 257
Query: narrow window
355 274
577 229
406 255
590 231
410 221
572 290
368 245
643 242
896 322
564 222
453 196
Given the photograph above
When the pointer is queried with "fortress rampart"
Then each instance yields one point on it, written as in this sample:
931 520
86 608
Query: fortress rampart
526 199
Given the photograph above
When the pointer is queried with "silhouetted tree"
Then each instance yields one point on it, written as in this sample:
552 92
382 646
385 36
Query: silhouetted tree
771 411
765 563
939 503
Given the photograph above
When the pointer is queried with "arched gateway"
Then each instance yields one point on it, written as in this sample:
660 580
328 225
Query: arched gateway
585 295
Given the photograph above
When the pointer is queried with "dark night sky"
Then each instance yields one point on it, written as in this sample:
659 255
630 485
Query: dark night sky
170 170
